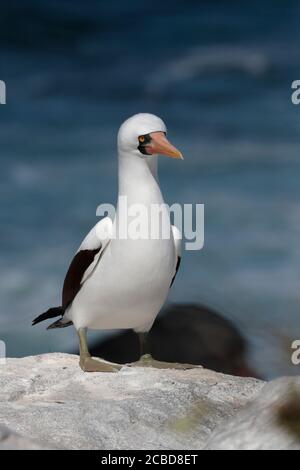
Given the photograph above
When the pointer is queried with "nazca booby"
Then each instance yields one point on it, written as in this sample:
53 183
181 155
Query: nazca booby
122 282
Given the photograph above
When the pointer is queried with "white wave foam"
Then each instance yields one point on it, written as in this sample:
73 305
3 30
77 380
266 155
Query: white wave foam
204 60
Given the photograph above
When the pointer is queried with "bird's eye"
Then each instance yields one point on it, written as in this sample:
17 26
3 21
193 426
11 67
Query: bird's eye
141 138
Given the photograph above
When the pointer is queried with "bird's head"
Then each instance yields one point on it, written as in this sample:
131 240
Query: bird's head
145 134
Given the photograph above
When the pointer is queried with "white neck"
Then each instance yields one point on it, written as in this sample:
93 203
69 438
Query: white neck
152 164
138 178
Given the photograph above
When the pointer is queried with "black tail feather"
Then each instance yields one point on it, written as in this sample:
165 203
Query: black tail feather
51 313
59 324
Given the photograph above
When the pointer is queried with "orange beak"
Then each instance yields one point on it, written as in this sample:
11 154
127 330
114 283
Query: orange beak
160 144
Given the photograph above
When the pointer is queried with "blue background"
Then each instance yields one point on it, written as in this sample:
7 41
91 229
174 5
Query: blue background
219 74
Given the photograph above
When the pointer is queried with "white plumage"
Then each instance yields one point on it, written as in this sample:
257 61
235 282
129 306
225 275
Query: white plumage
130 283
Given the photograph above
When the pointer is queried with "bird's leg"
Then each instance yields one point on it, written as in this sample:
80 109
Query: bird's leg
146 360
145 355
86 362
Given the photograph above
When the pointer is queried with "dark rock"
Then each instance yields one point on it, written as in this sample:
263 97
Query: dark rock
192 334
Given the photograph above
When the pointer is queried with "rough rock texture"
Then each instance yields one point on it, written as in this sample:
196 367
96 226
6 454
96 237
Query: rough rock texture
51 401
271 422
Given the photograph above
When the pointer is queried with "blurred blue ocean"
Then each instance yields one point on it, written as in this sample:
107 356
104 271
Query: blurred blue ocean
219 74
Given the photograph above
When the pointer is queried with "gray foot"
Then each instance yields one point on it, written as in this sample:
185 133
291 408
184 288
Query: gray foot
147 361
88 364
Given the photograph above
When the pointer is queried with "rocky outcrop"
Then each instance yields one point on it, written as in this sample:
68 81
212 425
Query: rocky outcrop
270 422
48 402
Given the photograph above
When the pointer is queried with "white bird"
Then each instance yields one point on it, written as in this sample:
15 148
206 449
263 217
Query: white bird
114 281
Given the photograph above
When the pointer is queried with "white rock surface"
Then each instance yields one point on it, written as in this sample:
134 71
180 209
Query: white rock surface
48 402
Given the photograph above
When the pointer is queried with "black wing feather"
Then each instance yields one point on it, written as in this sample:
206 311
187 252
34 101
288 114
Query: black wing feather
72 285
78 266
176 270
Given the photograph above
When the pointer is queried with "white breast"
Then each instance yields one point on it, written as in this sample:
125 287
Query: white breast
132 279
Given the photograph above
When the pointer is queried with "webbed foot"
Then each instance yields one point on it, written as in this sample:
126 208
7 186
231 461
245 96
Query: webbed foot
147 361
88 364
